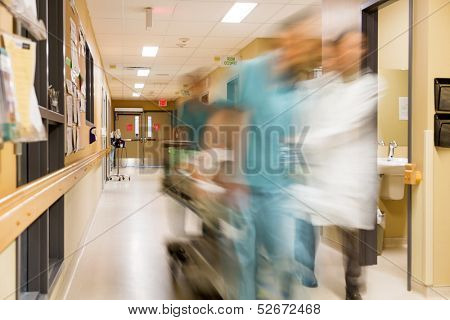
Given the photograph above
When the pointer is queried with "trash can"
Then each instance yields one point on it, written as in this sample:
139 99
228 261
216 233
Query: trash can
381 224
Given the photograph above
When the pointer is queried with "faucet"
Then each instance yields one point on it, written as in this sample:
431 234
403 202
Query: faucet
392 146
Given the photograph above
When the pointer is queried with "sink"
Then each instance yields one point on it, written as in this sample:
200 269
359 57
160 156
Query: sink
393 167
392 185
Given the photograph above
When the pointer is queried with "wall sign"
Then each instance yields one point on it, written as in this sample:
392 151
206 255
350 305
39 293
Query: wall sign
130 127
162 102
229 61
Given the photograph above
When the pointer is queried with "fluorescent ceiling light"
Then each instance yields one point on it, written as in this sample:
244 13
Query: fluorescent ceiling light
138 85
135 94
149 51
143 72
239 11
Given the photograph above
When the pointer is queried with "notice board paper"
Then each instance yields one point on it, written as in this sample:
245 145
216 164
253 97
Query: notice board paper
69 110
69 141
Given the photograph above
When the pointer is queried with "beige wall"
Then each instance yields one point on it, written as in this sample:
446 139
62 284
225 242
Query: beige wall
79 207
431 59
7 185
392 68
393 36
439 66
389 126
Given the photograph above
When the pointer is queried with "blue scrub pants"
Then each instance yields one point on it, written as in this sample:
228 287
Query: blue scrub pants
265 247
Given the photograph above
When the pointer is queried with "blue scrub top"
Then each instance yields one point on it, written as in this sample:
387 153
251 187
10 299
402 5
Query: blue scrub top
271 104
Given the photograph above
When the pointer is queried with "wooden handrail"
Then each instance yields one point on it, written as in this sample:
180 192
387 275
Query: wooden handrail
21 208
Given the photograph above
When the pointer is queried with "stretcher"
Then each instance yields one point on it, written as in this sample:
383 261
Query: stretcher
206 263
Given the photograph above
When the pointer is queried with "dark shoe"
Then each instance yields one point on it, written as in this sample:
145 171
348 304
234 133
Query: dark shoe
310 281
352 294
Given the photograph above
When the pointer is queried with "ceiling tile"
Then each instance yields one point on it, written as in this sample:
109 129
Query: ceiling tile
209 52
286 12
105 8
137 27
170 60
175 52
220 42
172 41
162 9
140 41
108 26
157 69
233 29
200 61
200 11
108 40
267 31
112 50
138 60
186 29
263 12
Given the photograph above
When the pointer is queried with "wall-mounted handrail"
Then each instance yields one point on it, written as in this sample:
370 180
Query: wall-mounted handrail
21 208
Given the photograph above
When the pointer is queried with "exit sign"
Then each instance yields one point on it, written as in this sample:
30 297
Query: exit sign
162 102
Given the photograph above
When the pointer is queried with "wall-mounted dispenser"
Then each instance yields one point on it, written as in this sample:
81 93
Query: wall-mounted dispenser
442 115
442 130
442 94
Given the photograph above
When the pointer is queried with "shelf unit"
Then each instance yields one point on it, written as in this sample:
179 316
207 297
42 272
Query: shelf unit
40 248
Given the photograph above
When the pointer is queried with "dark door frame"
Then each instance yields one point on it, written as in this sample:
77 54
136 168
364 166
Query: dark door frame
369 14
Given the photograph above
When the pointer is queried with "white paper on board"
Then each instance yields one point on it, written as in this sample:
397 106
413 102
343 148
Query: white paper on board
69 110
403 108
73 31
69 141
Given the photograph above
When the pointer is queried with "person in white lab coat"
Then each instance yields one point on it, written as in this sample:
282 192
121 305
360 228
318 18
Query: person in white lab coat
340 148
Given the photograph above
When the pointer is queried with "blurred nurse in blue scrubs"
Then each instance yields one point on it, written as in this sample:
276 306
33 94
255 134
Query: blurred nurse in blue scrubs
268 93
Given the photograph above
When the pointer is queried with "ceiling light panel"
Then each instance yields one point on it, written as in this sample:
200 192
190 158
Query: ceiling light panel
138 85
238 12
150 51
135 94
143 72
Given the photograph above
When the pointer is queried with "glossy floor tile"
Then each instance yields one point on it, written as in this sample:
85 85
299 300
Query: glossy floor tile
125 257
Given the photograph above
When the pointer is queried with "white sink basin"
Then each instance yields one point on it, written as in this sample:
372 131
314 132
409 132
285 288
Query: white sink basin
392 185
394 167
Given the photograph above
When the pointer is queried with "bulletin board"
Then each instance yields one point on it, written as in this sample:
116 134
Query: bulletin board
77 131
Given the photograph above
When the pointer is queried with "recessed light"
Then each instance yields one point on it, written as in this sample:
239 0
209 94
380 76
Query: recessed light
150 51
143 72
138 85
238 12
135 94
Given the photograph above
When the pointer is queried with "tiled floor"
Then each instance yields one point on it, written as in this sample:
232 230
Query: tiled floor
126 258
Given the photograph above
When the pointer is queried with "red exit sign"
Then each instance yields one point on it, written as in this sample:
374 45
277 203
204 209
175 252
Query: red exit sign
162 102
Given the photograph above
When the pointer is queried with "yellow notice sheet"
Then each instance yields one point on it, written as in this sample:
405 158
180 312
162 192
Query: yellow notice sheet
23 60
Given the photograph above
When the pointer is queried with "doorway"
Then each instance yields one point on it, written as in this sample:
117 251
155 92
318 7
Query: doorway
129 125
157 128
387 25
143 133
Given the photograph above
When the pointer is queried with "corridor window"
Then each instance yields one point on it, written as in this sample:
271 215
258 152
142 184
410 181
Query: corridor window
149 127
136 126
89 86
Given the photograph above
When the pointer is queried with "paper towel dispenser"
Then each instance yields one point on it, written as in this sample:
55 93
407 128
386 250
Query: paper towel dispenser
442 130
442 94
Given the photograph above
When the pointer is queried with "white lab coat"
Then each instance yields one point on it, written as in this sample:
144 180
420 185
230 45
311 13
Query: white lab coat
340 151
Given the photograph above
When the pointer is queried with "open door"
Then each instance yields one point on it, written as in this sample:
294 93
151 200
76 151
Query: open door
387 25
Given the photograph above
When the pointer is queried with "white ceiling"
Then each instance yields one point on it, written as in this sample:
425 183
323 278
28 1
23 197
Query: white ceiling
120 31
